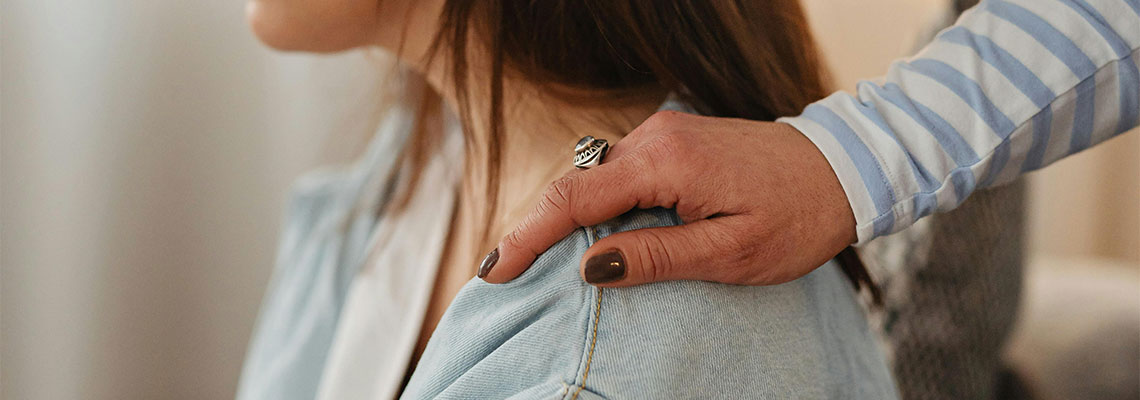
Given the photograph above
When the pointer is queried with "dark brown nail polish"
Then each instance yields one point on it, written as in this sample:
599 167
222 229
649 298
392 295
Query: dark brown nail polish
605 267
488 263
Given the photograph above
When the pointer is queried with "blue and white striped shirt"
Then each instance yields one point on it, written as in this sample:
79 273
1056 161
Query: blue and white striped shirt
1013 86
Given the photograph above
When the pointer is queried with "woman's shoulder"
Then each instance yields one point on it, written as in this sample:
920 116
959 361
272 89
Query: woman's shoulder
549 333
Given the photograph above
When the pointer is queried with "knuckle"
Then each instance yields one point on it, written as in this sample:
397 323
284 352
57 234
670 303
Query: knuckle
558 196
655 260
663 121
514 238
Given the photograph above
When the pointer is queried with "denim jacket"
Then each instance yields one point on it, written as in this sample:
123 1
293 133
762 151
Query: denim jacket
544 335
548 334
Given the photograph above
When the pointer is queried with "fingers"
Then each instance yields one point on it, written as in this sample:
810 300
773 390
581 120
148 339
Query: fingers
742 227
579 199
637 173
709 249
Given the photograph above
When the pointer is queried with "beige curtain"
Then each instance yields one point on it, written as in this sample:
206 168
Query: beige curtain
146 150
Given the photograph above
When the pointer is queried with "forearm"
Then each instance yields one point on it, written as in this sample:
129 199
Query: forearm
1012 87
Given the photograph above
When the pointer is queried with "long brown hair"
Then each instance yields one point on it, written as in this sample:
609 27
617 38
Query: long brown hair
728 58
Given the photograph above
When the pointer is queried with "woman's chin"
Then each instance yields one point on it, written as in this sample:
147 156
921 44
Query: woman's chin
276 27
266 24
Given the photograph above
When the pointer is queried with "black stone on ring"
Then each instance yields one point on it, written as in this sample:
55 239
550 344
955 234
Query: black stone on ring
588 153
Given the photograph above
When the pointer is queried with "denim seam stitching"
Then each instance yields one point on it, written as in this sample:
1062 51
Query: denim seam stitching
591 238
593 343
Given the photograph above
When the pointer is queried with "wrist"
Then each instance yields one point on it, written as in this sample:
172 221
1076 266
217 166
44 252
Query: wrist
857 202
834 215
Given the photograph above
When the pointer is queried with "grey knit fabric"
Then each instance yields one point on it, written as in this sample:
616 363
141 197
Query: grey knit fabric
951 293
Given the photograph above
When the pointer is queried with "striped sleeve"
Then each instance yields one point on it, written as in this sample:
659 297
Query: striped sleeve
1013 86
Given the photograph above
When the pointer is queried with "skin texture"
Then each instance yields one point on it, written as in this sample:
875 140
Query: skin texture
761 205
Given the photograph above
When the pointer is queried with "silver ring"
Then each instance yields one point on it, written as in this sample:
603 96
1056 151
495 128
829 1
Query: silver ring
588 153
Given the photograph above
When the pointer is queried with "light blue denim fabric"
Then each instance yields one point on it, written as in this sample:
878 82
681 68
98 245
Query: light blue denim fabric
548 334
330 216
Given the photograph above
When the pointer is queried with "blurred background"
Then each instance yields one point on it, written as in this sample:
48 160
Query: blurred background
147 147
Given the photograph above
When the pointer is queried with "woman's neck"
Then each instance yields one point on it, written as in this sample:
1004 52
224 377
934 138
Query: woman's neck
537 141
538 138
538 146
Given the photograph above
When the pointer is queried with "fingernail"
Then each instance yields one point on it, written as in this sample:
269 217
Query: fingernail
605 267
488 263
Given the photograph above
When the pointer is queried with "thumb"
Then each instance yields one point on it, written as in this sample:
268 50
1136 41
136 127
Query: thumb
703 250
581 198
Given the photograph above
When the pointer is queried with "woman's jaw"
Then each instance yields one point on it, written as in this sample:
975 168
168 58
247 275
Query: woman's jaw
326 26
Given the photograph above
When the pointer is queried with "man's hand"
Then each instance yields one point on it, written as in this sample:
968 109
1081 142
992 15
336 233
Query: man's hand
761 206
